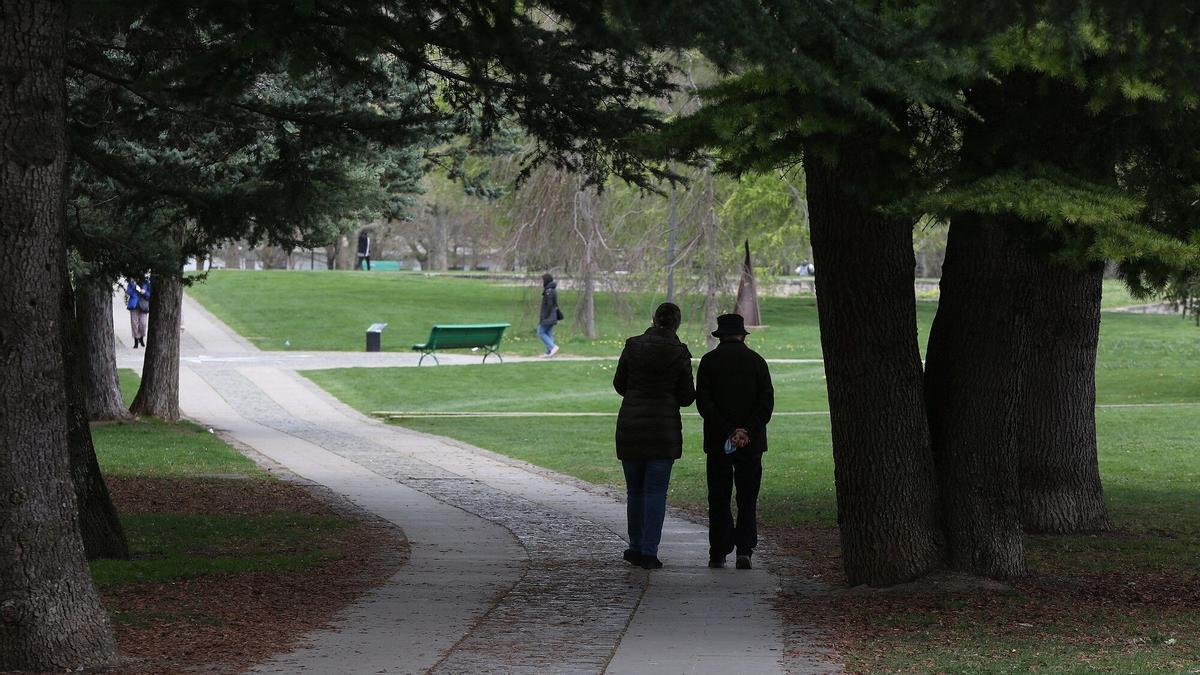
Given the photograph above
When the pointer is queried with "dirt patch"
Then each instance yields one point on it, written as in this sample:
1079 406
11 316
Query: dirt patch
221 495
948 621
227 622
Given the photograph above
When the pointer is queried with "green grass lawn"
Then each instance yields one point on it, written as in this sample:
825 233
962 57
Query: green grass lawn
1148 455
323 310
179 545
1149 459
331 310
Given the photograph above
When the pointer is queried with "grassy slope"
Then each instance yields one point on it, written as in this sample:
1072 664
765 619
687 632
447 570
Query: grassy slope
168 546
331 311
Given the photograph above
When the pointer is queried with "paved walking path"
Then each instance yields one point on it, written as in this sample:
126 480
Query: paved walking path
512 569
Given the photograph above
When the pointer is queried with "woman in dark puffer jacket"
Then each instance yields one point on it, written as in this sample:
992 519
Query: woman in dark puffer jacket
654 377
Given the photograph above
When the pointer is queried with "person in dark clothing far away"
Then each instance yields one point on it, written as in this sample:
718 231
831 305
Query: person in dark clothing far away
550 315
735 397
654 379
364 250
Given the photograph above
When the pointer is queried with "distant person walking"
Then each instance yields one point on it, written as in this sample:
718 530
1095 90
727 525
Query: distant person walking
364 250
138 304
550 315
654 378
735 397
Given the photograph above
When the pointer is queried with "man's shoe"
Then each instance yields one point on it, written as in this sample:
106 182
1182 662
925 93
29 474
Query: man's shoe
651 562
716 563
553 351
632 557
743 562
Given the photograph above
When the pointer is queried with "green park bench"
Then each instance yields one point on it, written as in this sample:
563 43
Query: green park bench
463 336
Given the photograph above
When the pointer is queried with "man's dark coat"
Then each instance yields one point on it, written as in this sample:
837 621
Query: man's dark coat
654 377
733 391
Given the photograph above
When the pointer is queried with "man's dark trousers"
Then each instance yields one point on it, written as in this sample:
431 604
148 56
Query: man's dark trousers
741 469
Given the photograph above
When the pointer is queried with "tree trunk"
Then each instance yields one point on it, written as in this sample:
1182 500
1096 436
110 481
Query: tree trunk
1059 473
93 311
103 536
441 241
331 256
883 466
712 274
974 385
50 616
585 227
672 239
158 394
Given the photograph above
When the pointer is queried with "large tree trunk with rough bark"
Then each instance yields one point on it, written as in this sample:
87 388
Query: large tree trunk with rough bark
50 616
103 536
1059 473
883 467
94 317
158 394
974 385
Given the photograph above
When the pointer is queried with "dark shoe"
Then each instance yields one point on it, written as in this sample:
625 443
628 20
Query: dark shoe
651 562
716 563
743 562
632 557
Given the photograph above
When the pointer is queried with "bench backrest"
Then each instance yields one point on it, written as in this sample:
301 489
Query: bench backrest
452 336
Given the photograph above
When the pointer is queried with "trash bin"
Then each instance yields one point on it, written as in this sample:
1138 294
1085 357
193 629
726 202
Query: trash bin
373 335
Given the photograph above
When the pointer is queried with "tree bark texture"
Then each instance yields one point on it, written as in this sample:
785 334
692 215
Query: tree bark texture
883 466
50 615
103 536
711 273
973 383
94 317
158 394
1059 472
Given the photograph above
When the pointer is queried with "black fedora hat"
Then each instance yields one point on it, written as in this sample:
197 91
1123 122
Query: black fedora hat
730 324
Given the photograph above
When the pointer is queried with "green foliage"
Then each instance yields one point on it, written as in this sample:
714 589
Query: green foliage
282 121
771 212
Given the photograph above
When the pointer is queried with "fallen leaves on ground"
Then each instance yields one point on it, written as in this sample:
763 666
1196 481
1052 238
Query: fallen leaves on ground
226 622
951 622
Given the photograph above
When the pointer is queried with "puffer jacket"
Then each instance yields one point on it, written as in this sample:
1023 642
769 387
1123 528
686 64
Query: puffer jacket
654 377
549 313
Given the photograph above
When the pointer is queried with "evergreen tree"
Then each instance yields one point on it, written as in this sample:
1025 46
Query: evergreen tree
201 77
1030 162
51 618
843 89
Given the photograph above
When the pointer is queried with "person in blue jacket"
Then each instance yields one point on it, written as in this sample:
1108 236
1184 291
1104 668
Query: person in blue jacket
138 304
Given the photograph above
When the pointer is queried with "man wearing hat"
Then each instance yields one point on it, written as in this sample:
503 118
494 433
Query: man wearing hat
735 397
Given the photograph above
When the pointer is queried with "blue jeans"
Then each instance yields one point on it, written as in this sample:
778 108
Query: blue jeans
646 483
546 334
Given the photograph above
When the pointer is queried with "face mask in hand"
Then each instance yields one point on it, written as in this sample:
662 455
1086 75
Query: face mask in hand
729 447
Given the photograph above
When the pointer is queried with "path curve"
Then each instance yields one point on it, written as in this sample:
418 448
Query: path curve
513 568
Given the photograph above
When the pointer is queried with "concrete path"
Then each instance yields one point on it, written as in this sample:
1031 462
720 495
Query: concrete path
513 568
